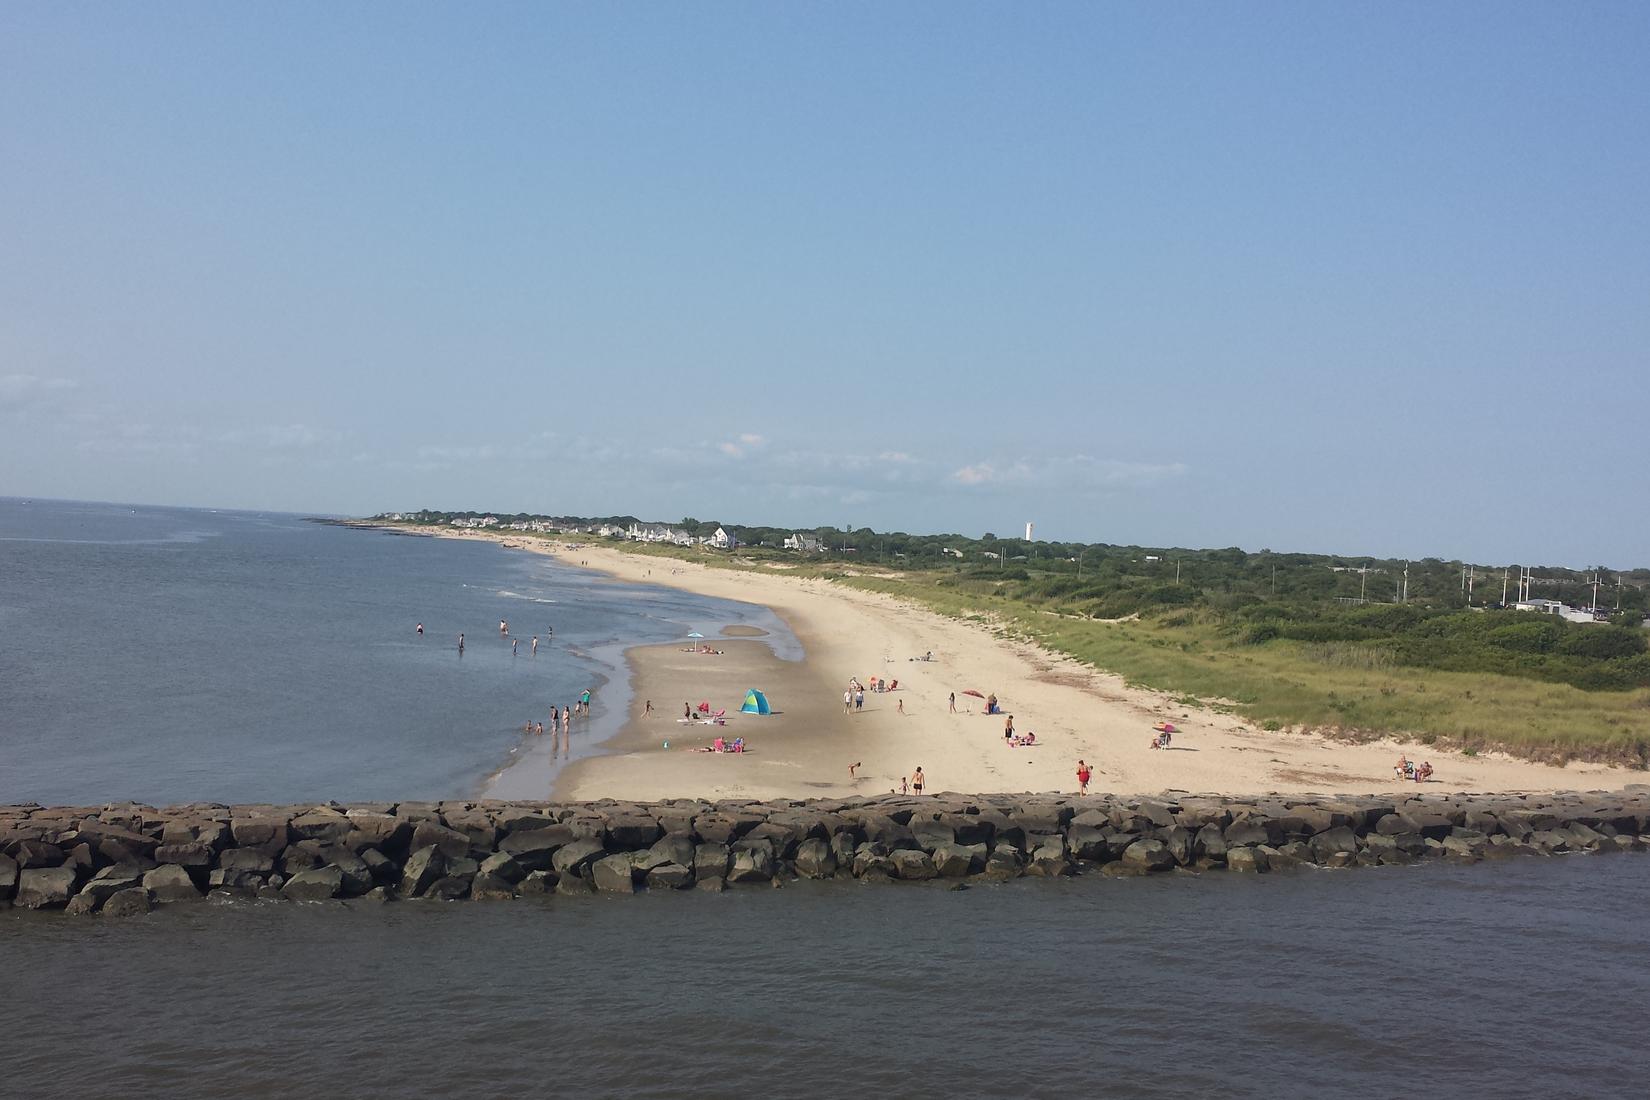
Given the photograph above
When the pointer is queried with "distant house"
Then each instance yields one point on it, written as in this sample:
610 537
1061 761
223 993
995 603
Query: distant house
723 539
949 552
1554 607
807 544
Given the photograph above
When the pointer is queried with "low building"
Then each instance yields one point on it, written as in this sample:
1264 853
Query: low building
807 544
723 539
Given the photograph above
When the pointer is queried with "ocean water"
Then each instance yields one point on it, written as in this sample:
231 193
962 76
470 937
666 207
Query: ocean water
175 655
1521 979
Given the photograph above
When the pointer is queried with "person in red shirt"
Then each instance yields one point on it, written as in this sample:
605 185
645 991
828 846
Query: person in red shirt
1083 776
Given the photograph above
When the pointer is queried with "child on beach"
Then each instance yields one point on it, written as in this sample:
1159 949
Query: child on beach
1083 775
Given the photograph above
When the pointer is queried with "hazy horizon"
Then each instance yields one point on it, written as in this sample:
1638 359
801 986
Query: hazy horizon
1332 280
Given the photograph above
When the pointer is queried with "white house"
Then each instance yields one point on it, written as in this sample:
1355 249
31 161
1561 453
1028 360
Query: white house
723 540
808 544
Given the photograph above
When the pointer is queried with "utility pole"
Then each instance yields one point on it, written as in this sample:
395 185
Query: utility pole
1177 573
1503 589
1363 582
1406 583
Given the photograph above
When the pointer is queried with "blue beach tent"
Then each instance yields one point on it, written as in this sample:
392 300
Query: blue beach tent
755 703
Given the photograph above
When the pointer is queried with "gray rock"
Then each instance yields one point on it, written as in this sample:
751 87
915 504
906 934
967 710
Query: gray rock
254 860
82 904
537 884
1246 859
710 860
266 833
1338 839
321 824
955 860
753 864
502 865
574 857
613 875
632 831
170 883
574 885
487 886
913 864
112 880
669 876
357 875
316 884
714 885
32 854
451 842
383 869
8 878
1149 854
872 860
1086 842
535 849
379 894
1209 845
449 888
1003 863
244 882
126 903
814 859
194 857
423 868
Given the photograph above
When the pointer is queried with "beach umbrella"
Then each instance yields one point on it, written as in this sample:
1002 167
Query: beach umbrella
974 693
695 634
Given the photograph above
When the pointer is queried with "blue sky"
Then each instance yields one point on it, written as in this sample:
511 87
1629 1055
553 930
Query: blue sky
1370 279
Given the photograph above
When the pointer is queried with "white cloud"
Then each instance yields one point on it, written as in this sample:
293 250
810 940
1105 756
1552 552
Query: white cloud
732 450
751 439
978 474
1073 472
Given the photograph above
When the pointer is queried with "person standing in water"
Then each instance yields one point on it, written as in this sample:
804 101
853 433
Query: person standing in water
461 643
535 645
515 645
420 629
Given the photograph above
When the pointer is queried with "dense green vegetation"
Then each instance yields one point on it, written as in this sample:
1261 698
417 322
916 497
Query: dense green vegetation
1361 646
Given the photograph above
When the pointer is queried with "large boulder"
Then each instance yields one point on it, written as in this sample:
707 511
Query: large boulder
8 879
316 884
127 903
571 859
710 860
475 825
266 833
451 842
487 886
357 874
674 848
253 860
613 874
1341 838
322 824
36 853
930 834
752 864
720 828
45 887
957 860
194 857
449 888
1149 854
113 879
632 831
814 859
1003 863
535 849
913 864
169 883
1246 859
503 866
423 868
1086 842
537 884
669 876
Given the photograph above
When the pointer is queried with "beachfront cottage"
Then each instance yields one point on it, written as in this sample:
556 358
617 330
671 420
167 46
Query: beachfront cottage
723 539
807 544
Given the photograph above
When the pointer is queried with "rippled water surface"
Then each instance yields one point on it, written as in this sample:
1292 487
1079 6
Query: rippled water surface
1517 979
177 655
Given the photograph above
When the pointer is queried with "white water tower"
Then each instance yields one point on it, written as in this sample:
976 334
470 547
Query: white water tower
1029 526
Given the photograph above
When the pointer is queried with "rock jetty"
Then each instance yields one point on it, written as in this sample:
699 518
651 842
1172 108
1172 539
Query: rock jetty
126 859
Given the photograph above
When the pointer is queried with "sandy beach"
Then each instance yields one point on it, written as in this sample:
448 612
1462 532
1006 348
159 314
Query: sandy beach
805 748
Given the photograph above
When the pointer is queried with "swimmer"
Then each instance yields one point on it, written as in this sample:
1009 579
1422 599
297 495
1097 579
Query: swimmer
515 644
420 629
461 643
535 645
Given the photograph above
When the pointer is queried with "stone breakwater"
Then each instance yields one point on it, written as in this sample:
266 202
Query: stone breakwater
124 859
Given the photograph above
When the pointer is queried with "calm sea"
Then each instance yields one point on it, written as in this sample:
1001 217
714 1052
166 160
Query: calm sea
1522 979
177 655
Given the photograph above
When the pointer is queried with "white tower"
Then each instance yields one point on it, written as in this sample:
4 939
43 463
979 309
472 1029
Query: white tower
1029 526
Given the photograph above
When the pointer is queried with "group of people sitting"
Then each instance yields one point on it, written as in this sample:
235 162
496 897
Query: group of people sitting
876 684
1418 773
723 745
1164 733
700 649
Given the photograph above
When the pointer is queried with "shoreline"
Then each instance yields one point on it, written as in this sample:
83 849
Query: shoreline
1076 711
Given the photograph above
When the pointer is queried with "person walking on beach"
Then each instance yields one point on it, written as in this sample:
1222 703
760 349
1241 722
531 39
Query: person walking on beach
1083 776
899 707
859 699
647 707
917 780
848 701
953 702
687 712
1008 729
